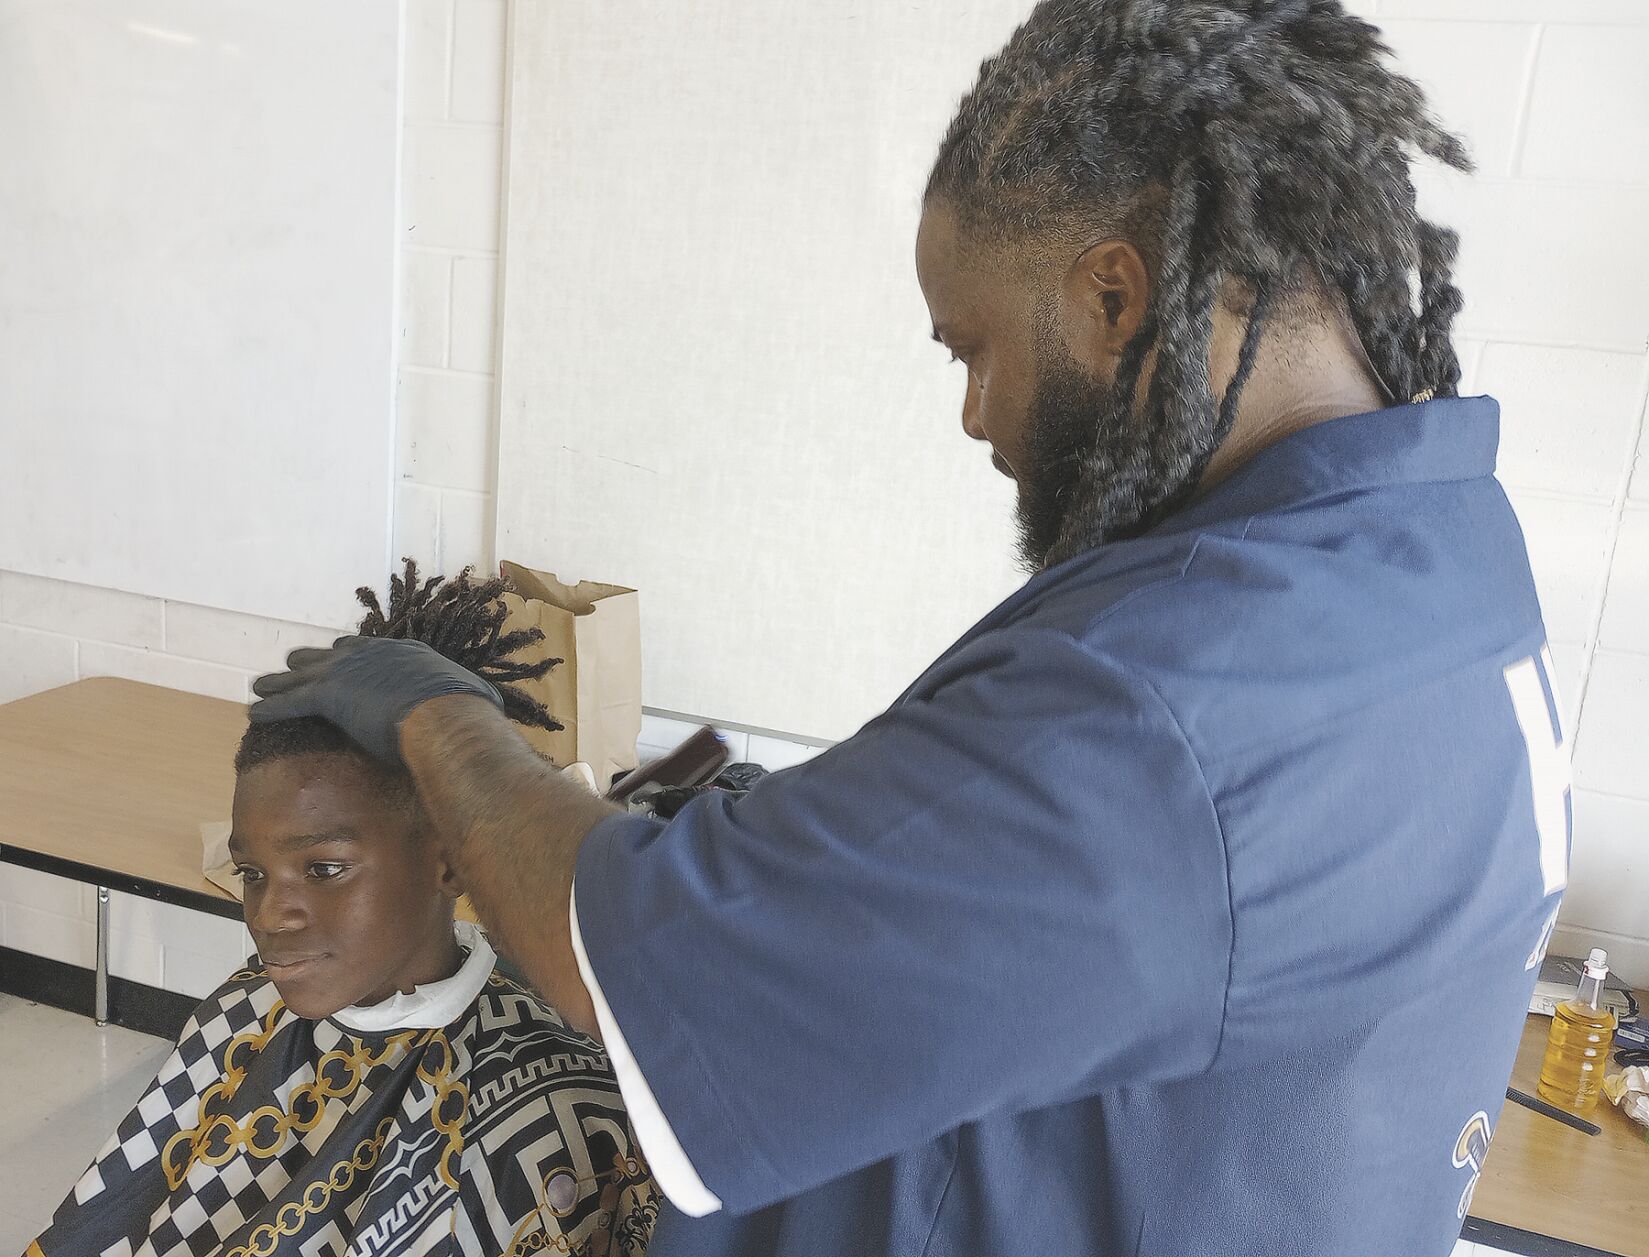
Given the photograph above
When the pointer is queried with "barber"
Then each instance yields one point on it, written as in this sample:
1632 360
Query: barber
1190 903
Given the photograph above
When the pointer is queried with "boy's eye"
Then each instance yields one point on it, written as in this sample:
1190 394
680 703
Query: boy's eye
326 870
248 874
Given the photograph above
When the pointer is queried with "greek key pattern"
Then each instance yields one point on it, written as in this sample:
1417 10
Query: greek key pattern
537 1069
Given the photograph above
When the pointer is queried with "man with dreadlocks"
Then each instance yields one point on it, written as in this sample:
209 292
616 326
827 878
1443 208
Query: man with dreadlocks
370 1083
1191 903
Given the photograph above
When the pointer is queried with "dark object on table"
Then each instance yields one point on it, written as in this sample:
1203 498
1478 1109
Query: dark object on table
1632 1043
1547 1110
665 801
663 786
739 777
693 763
1560 975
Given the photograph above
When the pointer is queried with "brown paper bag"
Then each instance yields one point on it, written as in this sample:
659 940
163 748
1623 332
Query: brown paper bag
596 691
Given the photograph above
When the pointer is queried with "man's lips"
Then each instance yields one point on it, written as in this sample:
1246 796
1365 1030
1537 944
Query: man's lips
1001 465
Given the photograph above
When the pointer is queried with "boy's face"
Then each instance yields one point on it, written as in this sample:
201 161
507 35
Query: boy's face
346 902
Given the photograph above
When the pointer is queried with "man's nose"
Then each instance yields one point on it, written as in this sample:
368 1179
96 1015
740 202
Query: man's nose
971 422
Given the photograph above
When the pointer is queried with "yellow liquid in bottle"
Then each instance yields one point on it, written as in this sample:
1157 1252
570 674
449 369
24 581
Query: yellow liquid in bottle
1577 1053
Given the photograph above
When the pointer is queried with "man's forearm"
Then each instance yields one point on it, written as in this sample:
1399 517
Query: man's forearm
513 826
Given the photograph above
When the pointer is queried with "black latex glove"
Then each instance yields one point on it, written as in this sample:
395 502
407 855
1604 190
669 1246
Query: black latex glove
366 686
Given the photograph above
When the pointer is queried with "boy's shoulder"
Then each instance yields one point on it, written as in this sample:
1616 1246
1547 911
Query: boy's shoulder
512 1035
245 1003
519 1039
544 1114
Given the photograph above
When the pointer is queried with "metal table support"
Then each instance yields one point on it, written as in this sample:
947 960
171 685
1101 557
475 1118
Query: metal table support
100 994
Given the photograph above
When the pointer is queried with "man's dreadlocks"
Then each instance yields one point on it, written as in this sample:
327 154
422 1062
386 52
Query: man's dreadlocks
462 619
1263 141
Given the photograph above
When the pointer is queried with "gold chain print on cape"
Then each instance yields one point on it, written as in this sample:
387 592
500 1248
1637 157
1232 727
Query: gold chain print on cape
265 1238
338 1075
449 1106
299 1133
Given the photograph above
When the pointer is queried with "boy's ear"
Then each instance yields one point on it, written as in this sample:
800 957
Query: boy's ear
447 880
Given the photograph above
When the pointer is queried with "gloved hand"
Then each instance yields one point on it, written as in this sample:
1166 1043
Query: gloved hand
366 686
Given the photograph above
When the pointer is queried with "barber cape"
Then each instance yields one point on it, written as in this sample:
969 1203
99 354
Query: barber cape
465 1117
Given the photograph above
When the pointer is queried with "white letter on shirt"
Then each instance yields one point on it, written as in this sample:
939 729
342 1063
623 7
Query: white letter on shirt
1548 765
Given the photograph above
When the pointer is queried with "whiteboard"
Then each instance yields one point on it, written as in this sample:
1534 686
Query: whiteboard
716 381
197 282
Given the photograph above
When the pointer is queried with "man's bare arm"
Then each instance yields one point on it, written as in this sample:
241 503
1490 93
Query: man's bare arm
514 826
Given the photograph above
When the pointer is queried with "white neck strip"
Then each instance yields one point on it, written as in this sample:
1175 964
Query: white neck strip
434 1004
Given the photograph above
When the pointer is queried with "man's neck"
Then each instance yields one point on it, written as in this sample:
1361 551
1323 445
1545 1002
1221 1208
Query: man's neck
1323 374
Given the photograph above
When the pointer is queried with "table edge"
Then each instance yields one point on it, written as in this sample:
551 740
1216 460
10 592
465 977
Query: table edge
1512 1239
126 883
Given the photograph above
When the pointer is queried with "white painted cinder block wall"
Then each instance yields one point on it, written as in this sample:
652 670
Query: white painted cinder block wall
52 633
1552 96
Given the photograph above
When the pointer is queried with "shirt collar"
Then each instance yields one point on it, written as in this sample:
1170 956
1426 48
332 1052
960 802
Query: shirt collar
434 1004
1452 438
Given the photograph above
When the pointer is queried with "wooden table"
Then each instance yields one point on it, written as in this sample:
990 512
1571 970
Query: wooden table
107 781
1548 1191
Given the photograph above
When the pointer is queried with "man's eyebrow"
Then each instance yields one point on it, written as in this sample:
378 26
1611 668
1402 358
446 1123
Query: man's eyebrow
939 334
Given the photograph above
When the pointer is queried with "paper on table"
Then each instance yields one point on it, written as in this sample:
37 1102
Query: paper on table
1629 1092
215 863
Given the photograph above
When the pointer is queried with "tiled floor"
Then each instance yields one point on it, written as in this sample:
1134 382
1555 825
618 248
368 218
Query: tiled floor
70 1084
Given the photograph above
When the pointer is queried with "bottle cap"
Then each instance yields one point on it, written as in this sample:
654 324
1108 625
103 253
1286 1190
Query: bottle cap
1597 963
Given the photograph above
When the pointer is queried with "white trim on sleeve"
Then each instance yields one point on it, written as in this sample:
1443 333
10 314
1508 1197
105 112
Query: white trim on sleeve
677 1178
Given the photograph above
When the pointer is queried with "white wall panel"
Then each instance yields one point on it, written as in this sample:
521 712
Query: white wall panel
717 384
197 297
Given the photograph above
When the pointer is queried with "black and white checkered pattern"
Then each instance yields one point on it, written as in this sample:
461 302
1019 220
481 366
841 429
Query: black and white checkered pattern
536 1105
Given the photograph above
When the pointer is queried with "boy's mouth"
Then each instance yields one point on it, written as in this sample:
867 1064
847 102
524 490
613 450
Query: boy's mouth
290 966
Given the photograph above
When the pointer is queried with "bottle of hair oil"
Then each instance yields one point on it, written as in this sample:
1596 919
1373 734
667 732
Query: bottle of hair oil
1577 1050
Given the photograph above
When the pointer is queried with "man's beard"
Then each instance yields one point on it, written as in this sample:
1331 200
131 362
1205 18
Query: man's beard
1071 419
1093 471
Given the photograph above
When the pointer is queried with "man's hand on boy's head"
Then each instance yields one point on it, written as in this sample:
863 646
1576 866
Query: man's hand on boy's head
365 686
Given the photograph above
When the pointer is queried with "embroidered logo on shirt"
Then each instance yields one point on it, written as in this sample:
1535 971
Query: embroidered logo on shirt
1469 1150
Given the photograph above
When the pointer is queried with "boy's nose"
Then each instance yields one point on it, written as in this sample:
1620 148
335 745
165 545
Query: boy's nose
275 911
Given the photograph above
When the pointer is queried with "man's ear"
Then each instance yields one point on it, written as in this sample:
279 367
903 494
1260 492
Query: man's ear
1105 294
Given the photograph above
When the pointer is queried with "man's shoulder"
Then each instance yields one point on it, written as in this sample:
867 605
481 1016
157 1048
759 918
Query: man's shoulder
1251 627
1138 579
1381 550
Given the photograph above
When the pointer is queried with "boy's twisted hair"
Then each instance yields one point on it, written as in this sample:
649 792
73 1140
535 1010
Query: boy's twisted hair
461 618
1264 141
464 620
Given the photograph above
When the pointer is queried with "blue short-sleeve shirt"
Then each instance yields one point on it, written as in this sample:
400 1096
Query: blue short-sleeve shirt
1189 904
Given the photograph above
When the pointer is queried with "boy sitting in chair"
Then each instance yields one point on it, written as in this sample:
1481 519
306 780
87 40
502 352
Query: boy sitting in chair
370 1083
